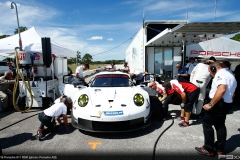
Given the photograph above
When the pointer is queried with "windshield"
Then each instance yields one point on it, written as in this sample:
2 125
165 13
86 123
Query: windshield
111 80
74 80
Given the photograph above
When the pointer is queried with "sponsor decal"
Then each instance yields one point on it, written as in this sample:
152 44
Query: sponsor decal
35 56
112 113
21 56
219 78
214 53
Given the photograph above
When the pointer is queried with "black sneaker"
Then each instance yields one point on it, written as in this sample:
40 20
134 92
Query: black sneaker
203 151
39 136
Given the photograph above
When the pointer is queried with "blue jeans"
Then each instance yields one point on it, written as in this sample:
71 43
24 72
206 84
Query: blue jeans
47 121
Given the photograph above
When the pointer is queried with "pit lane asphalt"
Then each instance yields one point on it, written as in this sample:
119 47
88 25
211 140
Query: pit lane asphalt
176 143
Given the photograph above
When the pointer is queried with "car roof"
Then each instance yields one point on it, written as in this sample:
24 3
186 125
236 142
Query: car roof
111 72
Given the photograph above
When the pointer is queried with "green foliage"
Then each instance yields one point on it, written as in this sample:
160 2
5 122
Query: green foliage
21 28
87 59
78 57
71 61
4 36
236 37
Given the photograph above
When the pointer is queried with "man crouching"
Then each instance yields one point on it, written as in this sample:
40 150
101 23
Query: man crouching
48 116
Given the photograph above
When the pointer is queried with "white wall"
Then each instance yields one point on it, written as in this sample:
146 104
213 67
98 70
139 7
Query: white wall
135 53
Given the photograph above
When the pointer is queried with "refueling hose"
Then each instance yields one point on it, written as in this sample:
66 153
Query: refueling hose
154 148
28 86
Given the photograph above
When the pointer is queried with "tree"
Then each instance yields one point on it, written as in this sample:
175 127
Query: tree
78 57
4 36
87 58
71 61
236 37
21 28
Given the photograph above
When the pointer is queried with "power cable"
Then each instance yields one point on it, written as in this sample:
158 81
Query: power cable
116 46
18 122
155 145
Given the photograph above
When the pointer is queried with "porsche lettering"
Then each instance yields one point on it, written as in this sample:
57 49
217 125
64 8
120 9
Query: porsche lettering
214 53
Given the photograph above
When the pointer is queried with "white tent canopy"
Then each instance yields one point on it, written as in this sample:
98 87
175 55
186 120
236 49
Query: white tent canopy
31 41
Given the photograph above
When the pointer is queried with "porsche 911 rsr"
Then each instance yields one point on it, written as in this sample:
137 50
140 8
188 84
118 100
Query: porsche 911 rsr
111 104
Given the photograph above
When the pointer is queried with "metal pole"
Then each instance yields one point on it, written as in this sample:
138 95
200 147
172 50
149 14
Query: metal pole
20 41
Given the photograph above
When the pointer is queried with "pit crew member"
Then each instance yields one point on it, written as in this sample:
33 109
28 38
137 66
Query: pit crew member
167 97
79 72
200 77
182 73
138 76
189 93
5 93
48 116
221 95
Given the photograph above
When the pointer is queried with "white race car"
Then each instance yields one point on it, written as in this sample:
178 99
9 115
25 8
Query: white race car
111 104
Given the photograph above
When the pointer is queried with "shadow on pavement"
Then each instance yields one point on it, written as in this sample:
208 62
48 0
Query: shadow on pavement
16 140
60 130
5 114
232 143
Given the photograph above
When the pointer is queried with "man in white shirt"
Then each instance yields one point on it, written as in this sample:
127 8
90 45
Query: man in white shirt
80 69
79 73
48 116
221 95
190 66
200 76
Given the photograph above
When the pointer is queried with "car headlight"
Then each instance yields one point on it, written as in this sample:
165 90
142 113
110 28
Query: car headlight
138 99
83 100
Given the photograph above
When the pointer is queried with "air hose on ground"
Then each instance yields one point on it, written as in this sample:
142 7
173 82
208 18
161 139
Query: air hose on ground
28 87
154 148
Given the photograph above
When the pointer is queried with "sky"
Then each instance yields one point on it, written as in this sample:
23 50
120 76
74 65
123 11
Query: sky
105 28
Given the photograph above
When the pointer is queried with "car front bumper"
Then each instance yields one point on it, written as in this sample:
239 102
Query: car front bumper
118 126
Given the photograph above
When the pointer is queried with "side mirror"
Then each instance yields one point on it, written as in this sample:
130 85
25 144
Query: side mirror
66 78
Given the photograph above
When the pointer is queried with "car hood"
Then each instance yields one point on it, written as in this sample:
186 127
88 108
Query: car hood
111 97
